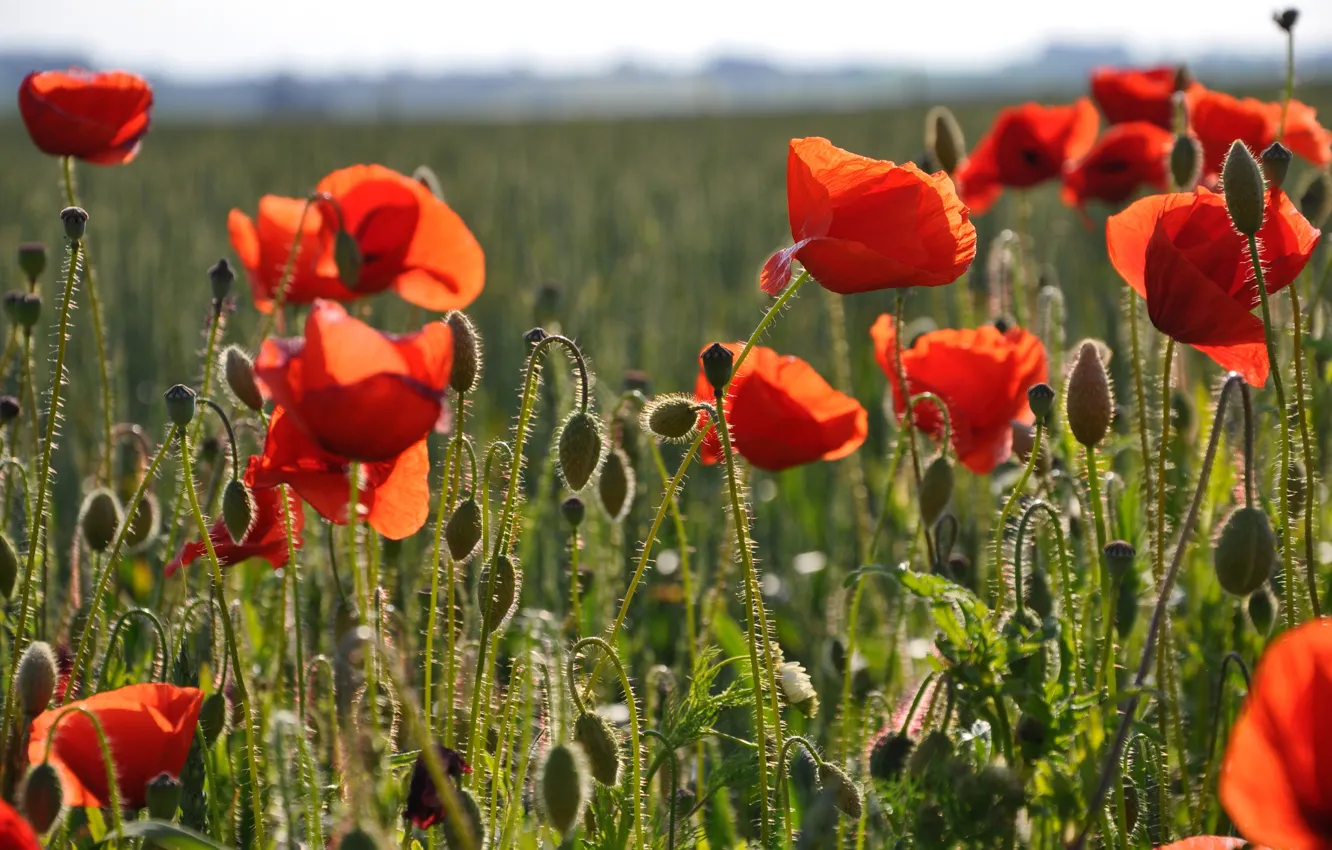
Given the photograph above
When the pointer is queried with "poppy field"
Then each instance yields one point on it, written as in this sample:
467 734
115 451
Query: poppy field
939 477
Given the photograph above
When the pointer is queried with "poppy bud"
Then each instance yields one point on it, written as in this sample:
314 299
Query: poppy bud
845 792
1119 556
1262 610
9 409
180 404
535 335
1245 551
100 518
580 449
888 755
347 257
237 509
239 371
357 839
466 353
1126 605
1295 491
32 260
500 584
1089 403
1242 184
425 175
143 525
934 750
671 417
36 678
797 689
573 511
936 488
23 308
1039 597
163 796
1040 398
1286 20
1276 163
717 363
75 220
1185 162
213 717
601 745
943 138
42 797
220 278
616 485
564 789
1316 199
463 532
8 567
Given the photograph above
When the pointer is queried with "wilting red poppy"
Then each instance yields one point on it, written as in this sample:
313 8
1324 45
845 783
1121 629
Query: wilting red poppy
1125 157
263 244
1027 145
15 832
424 807
1128 94
268 534
1274 783
862 224
357 392
99 118
1181 253
782 413
982 375
148 728
1304 135
1218 119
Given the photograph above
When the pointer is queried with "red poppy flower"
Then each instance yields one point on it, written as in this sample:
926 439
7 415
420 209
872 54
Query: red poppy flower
262 244
1207 842
1218 119
1027 145
782 413
393 495
1274 779
15 832
1128 94
148 728
1304 135
982 375
862 224
1125 157
424 807
356 392
99 118
268 535
1181 253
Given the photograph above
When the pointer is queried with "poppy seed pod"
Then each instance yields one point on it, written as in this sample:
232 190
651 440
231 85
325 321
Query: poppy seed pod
564 790
8 567
239 371
1039 597
615 486
9 409
1242 185
220 278
36 678
845 792
238 509
943 138
888 755
1262 610
99 519
1276 159
717 366
23 308
466 372
75 220
42 797
1185 162
463 531
1040 398
1316 199
601 745
573 510
1119 556
347 257
163 796
1089 403
936 488
1286 19
499 582
213 716
580 448
671 417
1245 551
181 402
32 260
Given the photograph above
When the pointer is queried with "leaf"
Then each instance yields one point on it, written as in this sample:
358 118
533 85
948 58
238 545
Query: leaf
165 835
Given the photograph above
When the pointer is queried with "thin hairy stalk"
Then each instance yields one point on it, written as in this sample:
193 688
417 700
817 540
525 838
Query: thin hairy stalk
109 763
908 413
635 792
1218 713
1105 675
1307 458
1065 580
1140 401
1289 91
442 513
997 544
161 649
782 789
682 543
852 467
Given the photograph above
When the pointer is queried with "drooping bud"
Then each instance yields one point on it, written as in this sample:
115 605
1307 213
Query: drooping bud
1276 163
1242 183
32 260
237 509
220 278
347 256
239 371
36 678
466 353
9 409
180 404
564 789
797 689
1316 199
671 417
99 519
573 511
163 796
1040 398
1039 597
615 486
1286 19
1186 162
42 797
943 138
75 220
8 567
213 717
1089 403
888 755
463 531
143 525
1262 611
1245 551
1119 556
601 745
535 335
717 364
936 488
935 749
845 792
23 308
499 583
580 448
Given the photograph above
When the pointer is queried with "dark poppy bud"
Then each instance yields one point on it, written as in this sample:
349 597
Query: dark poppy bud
466 370
425 175
180 404
1276 163
8 567
845 792
237 509
671 417
1286 19
888 755
573 511
1119 557
1296 491
220 278
717 364
615 485
580 448
99 519
1185 162
425 806
347 257
213 717
1040 397
1262 611
143 525
933 751
239 371
463 532
36 678
357 839
943 139
75 220
23 308
163 796
1245 551
1316 199
1003 323
499 584
32 260
564 786
535 335
1089 403
601 745
42 797
9 409
1242 184
936 488
1039 597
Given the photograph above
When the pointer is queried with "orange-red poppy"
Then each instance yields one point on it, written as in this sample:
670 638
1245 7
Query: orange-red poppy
15 832
99 118
862 224
1126 157
1218 119
148 728
982 375
1130 94
1207 842
263 244
1274 779
782 413
357 392
1027 145
266 539
1304 135
1181 253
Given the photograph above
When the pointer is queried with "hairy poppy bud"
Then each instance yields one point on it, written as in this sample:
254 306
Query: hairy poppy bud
75 220
671 417
220 278
1185 162
580 448
888 755
1245 551
347 257
936 488
36 678
163 796
797 689
535 335
8 567
934 750
100 518
1295 491
601 745
845 792
1089 403
357 839
564 789
615 486
1119 556
1316 199
499 582
42 797
9 409
213 717
1276 163
1262 610
143 525
463 532
1286 19
239 372
717 364
1040 398
1039 597
237 509
32 260
1242 184
573 511
180 404
23 308
943 138
466 353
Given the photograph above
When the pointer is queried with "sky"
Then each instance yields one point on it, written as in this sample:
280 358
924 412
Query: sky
211 38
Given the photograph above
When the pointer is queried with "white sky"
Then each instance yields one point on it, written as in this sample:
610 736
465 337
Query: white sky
211 37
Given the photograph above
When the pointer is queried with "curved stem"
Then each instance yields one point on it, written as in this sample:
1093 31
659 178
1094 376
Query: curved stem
636 759
675 780
112 784
997 545
1140 400
442 513
1218 710
1065 580
163 645
1307 457
767 319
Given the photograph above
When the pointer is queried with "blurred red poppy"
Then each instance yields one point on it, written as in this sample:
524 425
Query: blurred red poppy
1207 842
1181 253
357 392
862 224
15 832
1274 783
1218 119
1027 145
1304 135
1126 157
982 375
782 413
268 535
263 244
425 808
148 728
1128 94
99 118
